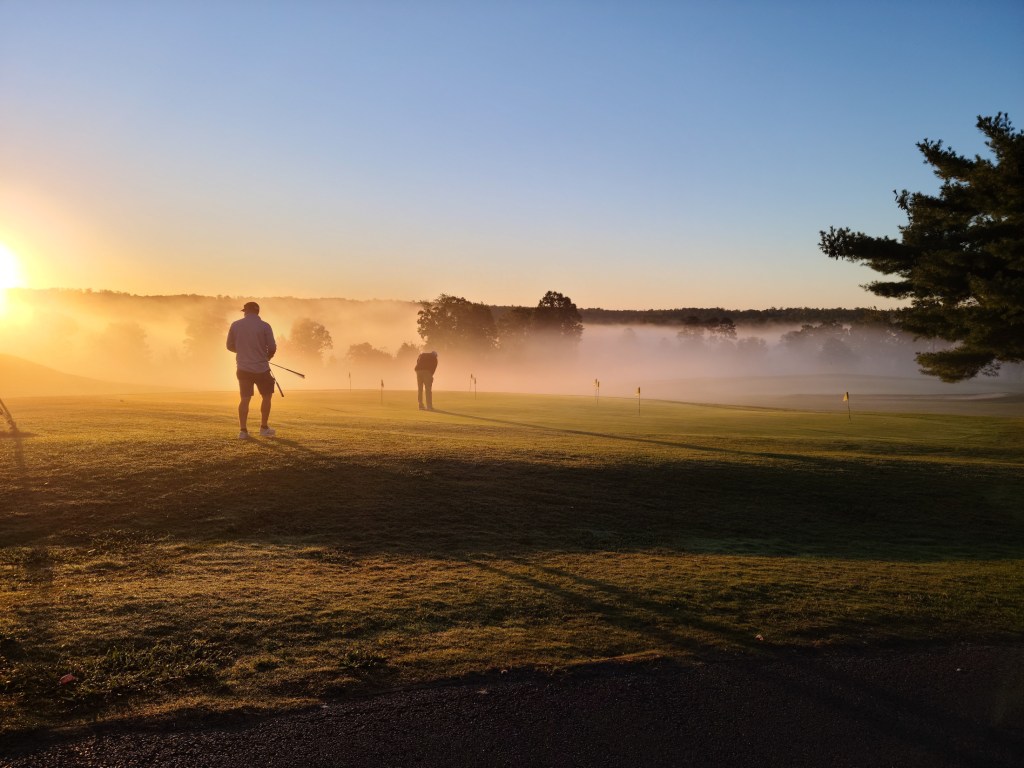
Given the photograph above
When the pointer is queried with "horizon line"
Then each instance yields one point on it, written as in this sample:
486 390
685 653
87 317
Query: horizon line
240 297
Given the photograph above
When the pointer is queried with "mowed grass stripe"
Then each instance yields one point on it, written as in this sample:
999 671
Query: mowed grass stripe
168 565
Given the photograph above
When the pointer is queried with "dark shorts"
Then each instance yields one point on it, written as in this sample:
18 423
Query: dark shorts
264 382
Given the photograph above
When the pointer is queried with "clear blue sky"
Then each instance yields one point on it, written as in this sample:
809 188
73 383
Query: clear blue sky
628 154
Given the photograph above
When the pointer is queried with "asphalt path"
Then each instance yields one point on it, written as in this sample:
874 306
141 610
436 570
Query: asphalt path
958 706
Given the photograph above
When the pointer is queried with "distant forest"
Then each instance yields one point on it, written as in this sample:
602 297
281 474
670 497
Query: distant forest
552 346
594 316
747 317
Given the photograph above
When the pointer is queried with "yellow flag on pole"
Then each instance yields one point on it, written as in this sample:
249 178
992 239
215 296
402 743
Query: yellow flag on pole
846 397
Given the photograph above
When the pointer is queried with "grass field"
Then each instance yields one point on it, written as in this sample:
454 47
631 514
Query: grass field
170 567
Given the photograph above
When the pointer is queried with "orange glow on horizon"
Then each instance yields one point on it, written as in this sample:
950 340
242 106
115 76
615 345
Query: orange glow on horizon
10 275
10 269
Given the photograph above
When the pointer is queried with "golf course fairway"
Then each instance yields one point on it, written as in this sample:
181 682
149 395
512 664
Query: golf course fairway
152 563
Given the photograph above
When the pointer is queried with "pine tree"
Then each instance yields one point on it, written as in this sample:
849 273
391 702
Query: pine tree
960 259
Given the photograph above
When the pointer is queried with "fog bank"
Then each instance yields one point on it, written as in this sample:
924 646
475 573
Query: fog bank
178 342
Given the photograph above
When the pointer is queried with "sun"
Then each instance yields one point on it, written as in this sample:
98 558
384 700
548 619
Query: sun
10 269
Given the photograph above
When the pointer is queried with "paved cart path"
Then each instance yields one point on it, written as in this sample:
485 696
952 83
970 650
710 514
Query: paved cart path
961 706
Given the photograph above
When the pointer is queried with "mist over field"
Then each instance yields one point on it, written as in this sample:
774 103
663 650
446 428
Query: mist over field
177 342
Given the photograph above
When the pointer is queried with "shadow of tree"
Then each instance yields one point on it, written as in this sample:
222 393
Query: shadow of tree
643 440
667 627
460 507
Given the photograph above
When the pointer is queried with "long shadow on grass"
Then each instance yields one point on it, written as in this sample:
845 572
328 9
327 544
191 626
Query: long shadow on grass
671 627
19 497
674 629
803 458
456 507
18 459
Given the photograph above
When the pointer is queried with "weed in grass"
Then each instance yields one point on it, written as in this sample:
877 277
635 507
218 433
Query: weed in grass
112 676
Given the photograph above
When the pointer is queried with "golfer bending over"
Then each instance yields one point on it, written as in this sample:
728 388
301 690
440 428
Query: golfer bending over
252 341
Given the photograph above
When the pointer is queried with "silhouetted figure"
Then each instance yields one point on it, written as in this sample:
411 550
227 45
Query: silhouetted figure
252 341
426 364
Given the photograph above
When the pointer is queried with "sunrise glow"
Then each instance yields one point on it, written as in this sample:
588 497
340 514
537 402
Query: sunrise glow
10 275
10 269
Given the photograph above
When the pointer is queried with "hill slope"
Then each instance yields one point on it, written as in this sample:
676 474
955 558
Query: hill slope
21 378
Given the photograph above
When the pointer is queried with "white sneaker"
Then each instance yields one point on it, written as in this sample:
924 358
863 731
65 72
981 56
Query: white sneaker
243 435
267 431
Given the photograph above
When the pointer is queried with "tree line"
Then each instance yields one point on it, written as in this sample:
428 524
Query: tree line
453 324
751 317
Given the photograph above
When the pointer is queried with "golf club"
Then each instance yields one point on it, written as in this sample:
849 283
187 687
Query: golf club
6 414
301 375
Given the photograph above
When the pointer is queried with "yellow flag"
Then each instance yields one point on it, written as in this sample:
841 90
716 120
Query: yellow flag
638 391
846 397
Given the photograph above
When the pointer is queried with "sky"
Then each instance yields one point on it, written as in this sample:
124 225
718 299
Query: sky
630 155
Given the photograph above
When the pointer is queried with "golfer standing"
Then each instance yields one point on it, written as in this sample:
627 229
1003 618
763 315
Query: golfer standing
426 364
252 341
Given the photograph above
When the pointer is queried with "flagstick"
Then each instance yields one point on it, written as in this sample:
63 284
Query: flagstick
849 413
350 381
382 391
638 401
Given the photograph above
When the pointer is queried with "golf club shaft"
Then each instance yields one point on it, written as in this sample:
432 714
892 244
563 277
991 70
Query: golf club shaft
6 414
301 375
